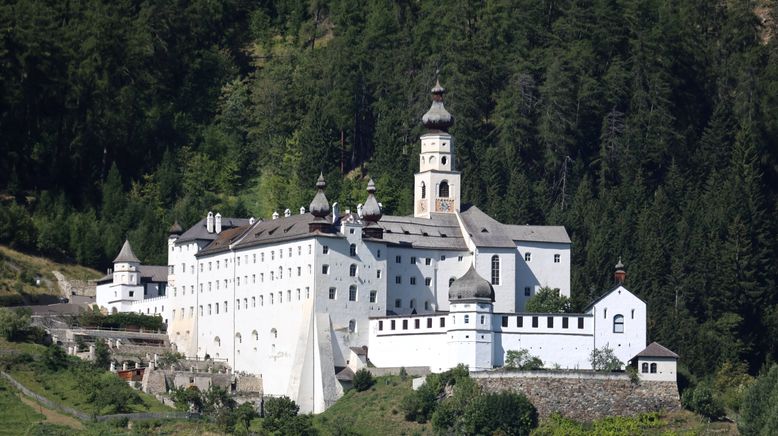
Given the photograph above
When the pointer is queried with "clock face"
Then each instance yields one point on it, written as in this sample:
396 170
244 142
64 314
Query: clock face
444 205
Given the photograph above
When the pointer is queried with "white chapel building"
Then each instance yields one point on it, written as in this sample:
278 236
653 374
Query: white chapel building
302 299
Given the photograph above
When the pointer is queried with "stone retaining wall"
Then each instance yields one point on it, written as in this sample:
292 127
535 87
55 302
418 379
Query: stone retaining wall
584 396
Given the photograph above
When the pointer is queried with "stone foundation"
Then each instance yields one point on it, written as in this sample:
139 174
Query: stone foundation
584 396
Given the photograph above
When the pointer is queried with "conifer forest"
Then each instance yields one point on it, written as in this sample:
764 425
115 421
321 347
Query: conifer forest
649 128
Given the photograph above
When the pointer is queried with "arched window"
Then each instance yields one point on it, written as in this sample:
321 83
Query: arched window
352 270
467 319
352 326
423 190
644 368
353 250
217 341
451 281
238 338
653 368
274 333
495 270
352 293
443 189
255 335
432 160
618 324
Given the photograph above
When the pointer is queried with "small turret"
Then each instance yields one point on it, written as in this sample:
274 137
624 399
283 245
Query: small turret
620 275
319 207
437 117
175 230
371 214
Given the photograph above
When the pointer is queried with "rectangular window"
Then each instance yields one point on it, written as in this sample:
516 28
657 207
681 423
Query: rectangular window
132 293
534 322
429 323
427 261
352 294
201 310
413 280
442 321
398 279
527 291
237 281
225 307
580 323
505 321
380 325
398 303
416 323
519 321
550 322
299 271
392 325
405 324
378 254
325 249
527 257
413 259
254 257
298 294
333 293
557 258
238 260
373 296
378 274
564 322
443 257
307 292
325 269
398 259
427 281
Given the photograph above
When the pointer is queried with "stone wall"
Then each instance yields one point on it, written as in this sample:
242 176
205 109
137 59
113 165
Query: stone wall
584 396
74 287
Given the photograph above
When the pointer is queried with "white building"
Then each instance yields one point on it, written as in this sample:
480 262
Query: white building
292 298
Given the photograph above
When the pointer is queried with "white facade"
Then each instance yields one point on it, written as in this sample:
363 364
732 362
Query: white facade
657 368
291 298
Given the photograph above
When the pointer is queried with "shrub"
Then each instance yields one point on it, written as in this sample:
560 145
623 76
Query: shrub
522 360
279 412
502 413
700 399
14 323
759 409
603 359
548 300
363 380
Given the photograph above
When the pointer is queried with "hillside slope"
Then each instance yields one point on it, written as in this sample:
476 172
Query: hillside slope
19 271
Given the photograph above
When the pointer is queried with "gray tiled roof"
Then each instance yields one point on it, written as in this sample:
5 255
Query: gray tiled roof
153 273
440 231
655 349
126 254
199 231
485 231
279 230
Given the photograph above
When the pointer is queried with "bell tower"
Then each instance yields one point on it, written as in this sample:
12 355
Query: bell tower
437 184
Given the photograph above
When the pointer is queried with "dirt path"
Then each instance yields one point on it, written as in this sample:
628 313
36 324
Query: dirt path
52 416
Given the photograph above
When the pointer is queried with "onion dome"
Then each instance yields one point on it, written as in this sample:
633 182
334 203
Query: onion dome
470 286
175 229
371 211
126 254
619 265
437 117
320 207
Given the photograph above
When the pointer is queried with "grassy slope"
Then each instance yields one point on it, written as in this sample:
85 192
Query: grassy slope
17 273
62 386
375 411
17 417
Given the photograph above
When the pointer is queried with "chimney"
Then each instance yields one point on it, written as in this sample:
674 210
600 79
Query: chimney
251 221
302 210
275 215
287 213
359 210
209 222
620 275
218 223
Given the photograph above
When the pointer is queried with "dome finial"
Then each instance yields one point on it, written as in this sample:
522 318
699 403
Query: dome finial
437 117
320 207
371 211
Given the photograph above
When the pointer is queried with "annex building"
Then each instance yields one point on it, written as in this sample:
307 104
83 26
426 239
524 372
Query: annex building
305 299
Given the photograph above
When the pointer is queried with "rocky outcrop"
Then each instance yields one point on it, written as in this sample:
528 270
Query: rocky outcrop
584 396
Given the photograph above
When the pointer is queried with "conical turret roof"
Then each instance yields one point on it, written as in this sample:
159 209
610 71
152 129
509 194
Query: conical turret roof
175 229
126 254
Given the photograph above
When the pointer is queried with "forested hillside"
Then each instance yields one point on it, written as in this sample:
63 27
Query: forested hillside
648 127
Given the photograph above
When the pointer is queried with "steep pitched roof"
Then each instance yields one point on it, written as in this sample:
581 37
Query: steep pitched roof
126 254
440 231
199 231
153 273
655 349
486 231
278 230
608 292
223 241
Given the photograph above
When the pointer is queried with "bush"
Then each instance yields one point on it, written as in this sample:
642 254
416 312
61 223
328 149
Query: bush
700 399
502 413
279 412
55 358
603 359
522 360
759 410
14 323
363 380
548 300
